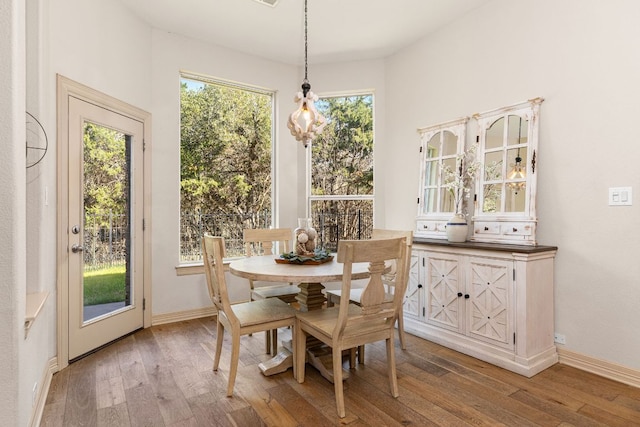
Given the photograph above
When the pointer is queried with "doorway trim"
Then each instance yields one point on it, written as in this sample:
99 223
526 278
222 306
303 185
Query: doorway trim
65 89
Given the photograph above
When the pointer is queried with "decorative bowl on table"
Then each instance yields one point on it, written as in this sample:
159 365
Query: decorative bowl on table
319 256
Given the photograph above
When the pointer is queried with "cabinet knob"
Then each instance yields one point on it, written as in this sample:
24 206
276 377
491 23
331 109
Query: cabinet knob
466 296
515 230
459 294
486 229
419 286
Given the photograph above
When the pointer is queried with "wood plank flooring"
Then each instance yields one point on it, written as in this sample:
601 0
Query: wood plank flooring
162 376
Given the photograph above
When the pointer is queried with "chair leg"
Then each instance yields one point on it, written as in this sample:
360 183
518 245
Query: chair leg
352 357
235 356
219 340
299 352
274 342
267 342
294 341
403 344
391 363
361 354
337 381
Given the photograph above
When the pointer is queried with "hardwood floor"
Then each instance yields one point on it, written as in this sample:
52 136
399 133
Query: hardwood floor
162 376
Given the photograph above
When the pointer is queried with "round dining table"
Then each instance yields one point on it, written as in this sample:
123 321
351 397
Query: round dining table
310 297
309 276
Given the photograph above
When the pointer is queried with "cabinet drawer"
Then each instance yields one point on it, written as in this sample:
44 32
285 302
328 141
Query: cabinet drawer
431 225
517 229
488 228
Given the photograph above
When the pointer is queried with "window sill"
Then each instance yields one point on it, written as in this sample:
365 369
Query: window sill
198 268
35 302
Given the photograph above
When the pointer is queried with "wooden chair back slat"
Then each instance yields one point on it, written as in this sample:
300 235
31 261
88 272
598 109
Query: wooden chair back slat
260 241
377 253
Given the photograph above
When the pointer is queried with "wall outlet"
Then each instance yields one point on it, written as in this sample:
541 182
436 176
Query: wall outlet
559 338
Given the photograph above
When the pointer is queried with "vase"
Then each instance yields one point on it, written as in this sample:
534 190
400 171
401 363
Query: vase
457 229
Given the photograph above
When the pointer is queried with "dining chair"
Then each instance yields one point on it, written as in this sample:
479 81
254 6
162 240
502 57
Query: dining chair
261 241
389 280
238 319
348 326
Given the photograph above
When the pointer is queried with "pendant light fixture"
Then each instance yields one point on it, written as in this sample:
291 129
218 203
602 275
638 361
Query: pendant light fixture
518 171
305 123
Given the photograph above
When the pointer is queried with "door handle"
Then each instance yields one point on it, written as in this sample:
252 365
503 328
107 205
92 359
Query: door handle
76 248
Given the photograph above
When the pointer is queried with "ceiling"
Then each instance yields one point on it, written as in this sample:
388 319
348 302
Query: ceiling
338 30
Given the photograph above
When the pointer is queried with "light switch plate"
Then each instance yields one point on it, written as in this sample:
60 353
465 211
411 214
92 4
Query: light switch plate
620 196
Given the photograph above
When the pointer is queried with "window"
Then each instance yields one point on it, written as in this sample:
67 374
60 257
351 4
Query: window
341 193
225 162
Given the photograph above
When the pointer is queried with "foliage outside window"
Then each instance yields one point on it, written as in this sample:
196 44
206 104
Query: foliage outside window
225 162
341 194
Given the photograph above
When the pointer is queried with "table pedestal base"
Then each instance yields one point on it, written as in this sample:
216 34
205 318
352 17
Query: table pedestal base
310 296
318 356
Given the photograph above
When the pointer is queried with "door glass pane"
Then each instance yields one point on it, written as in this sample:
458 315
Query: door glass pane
449 143
430 200
493 166
431 173
517 132
495 134
106 196
433 146
491 197
515 200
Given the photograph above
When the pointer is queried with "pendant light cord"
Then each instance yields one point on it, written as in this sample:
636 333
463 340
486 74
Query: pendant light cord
305 39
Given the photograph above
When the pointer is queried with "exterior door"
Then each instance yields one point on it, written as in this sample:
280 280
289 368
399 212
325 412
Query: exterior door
105 225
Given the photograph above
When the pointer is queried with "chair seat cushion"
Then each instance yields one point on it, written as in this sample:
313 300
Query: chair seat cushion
262 311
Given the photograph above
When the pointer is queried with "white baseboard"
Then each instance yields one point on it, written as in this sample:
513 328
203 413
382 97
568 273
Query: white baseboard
600 367
43 391
179 316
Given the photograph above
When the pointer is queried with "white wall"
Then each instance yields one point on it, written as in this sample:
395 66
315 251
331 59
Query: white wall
12 226
582 57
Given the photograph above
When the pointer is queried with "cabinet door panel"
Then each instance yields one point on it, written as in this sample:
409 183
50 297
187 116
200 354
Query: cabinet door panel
444 286
413 295
490 306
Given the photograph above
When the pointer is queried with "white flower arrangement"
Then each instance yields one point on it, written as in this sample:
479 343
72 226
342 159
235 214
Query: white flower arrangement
458 182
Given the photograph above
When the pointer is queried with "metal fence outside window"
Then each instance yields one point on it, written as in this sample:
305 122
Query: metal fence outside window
105 235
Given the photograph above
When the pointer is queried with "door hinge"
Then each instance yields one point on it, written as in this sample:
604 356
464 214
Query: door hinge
418 200
144 304
514 274
423 261
144 145
477 138
144 224
421 149
514 338
424 312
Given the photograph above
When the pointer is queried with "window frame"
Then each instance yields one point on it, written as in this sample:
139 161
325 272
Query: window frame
194 266
310 197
